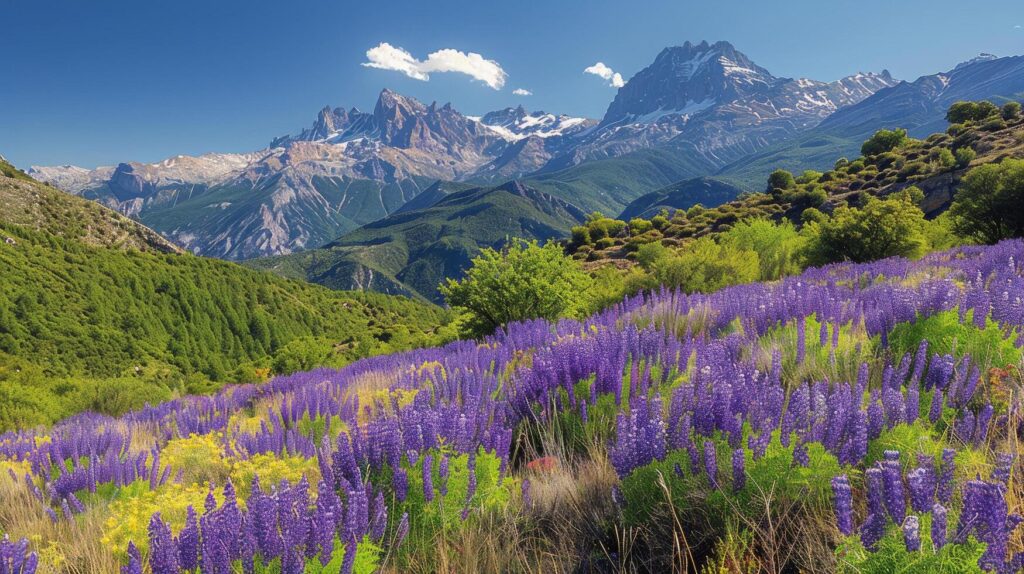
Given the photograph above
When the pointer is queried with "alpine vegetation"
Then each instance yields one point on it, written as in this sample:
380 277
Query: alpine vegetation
856 417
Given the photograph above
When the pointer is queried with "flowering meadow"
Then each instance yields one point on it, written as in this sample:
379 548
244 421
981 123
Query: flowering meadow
859 418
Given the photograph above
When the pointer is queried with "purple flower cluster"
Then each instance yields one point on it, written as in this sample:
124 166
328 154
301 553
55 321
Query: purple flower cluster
15 557
678 366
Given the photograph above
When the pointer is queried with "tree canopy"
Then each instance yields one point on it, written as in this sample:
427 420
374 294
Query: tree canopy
989 205
521 281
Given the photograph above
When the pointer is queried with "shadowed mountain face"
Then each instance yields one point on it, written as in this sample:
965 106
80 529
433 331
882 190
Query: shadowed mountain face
411 252
681 195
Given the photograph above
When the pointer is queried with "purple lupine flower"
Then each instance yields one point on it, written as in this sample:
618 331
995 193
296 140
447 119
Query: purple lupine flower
163 553
800 455
379 520
843 504
944 490
400 483
872 530
1004 465
895 500
134 565
938 526
935 412
739 473
442 475
402 530
349 560
912 533
922 489
711 463
875 488
188 542
527 501
428 477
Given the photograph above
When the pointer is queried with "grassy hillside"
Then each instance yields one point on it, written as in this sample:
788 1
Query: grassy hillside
935 164
29 204
93 305
413 251
609 185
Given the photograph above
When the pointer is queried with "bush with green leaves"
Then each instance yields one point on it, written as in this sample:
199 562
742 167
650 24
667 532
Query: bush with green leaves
881 228
705 266
883 141
961 112
523 280
1010 111
989 205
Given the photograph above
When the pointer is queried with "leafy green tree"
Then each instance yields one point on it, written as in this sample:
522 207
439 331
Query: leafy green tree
1011 111
989 206
781 179
883 141
522 281
705 266
961 112
881 228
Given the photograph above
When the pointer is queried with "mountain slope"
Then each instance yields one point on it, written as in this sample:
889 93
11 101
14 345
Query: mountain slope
348 169
713 103
86 293
29 204
919 107
705 191
412 252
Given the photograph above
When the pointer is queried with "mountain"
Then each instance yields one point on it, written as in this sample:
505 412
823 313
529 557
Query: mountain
92 302
706 191
348 169
919 107
44 209
712 102
413 251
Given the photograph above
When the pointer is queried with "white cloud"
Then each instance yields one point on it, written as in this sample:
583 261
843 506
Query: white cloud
613 78
1018 27
522 92
384 56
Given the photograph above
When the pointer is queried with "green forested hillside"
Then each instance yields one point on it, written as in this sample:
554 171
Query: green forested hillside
90 320
414 251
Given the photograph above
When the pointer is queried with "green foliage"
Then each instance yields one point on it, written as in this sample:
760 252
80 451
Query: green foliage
1010 111
946 158
443 514
522 281
881 228
112 329
964 156
989 205
946 334
961 112
778 246
884 141
707 266
781 179
892 554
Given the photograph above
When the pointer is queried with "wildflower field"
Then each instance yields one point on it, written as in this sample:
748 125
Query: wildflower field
855 418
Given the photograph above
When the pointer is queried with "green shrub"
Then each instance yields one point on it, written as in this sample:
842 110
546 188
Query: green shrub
522 281
989 205
961 112
946 158
1010 111
881 228
964 156
883 141
706 266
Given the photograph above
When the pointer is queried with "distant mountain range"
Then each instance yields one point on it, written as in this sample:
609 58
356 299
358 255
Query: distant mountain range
698 110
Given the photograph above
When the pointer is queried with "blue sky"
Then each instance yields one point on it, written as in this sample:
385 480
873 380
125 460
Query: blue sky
95 83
